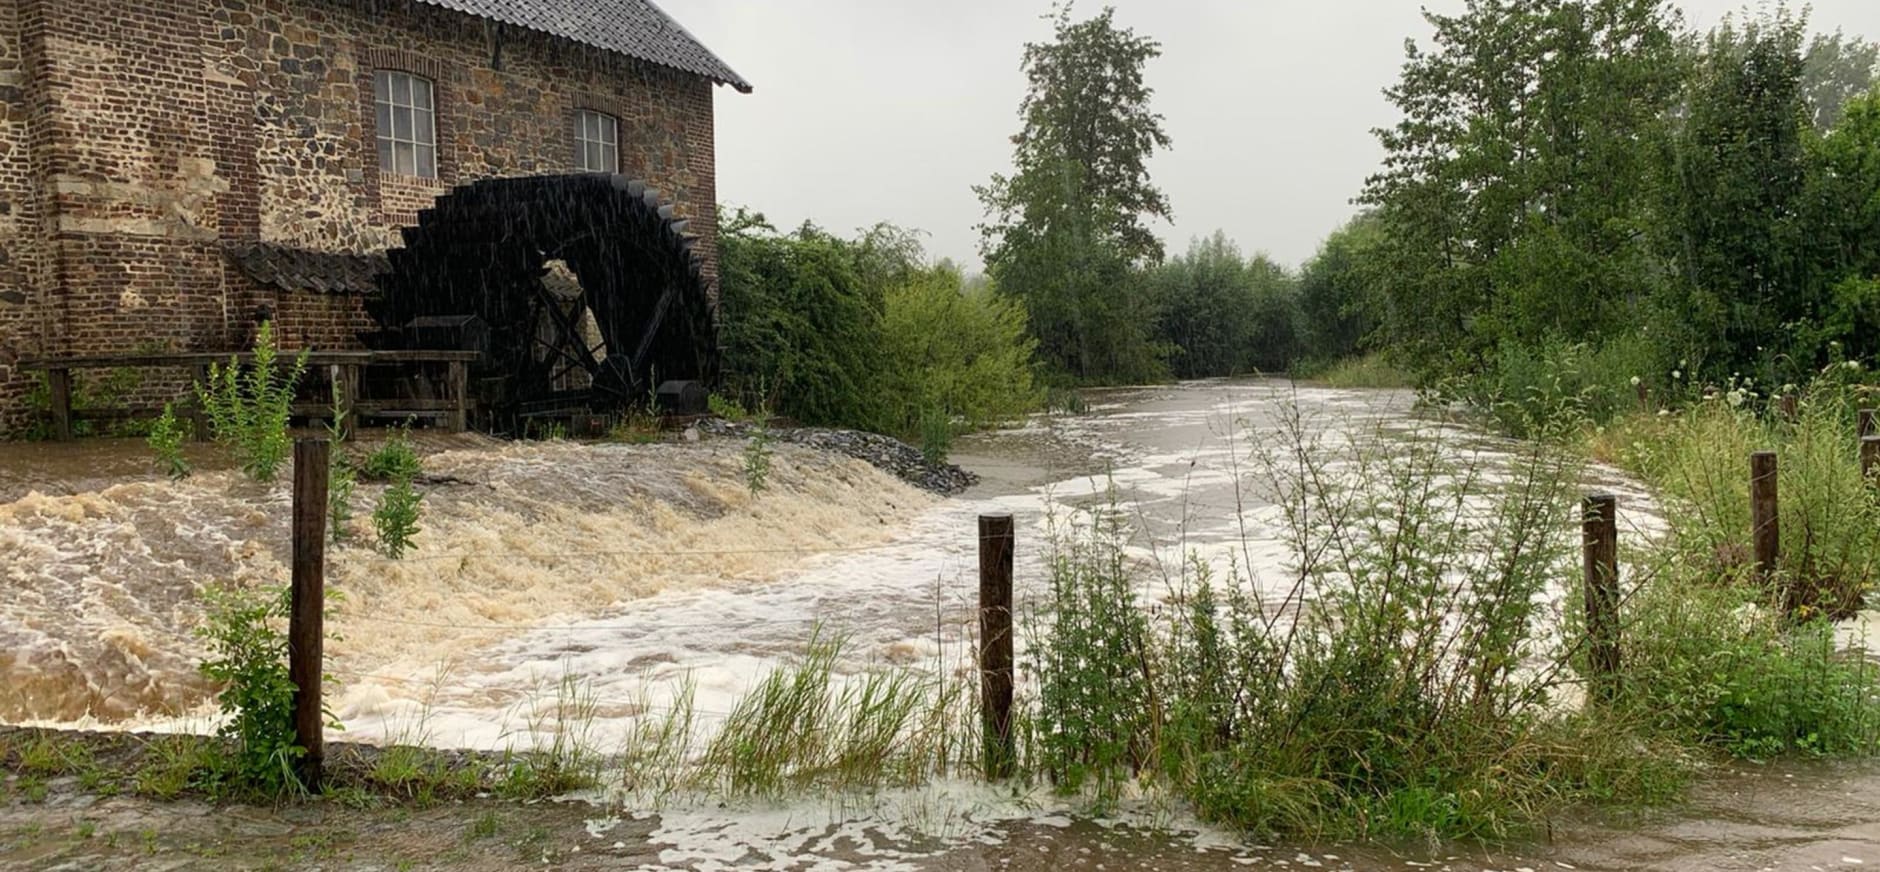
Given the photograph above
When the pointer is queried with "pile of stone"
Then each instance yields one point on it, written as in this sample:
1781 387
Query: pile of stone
885 453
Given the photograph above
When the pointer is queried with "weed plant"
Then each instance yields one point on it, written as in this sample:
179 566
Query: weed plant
166 442
248 660
757 455
249 406
395 518
394 460
1697 459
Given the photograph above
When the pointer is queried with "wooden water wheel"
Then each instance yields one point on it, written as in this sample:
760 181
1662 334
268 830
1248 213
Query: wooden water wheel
581 292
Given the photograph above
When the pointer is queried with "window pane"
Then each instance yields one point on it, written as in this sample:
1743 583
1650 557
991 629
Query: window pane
426 127
385 155
401 123
610 130
420 93
385 120
610 159
382 85
401 89
427 162
407 164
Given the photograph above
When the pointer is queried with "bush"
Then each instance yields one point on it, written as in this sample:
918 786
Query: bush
395 460
953 351
249 407
248 659
1389 692
166 441
1719 667
863 333
1529 391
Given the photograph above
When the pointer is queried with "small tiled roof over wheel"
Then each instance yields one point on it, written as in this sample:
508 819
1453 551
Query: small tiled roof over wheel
635 28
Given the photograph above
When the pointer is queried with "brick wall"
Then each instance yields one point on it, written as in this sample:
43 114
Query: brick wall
137 139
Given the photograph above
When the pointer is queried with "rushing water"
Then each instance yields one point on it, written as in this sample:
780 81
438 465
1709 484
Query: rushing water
628 570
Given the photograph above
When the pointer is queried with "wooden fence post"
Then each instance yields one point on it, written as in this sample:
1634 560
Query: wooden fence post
1868 426
59 385
1790 407
1765 528
995 643
1599 537
1870 457
306 615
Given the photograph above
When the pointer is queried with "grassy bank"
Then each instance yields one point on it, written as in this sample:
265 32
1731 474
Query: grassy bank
1418 674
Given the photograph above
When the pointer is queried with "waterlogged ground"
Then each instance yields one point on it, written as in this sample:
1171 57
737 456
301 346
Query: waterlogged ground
628 572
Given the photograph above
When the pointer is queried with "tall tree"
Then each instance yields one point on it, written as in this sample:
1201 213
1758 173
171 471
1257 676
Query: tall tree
1222 313
1514 190
1837 69
1067 229
1335 291
1736 197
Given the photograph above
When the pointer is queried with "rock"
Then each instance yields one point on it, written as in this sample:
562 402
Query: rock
885 453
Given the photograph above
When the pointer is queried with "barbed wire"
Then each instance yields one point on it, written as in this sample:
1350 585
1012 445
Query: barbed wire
624 552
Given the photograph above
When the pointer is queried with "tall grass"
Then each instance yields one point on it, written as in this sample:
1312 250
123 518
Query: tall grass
1416 670
800 727
1698 459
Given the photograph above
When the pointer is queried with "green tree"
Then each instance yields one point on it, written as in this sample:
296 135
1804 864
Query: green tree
1066 230
800 327
959 354
1222 313
1335 291
1845 197
1515 191
1837 69
1735 198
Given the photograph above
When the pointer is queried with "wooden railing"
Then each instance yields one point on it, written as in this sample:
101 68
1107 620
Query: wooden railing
345 367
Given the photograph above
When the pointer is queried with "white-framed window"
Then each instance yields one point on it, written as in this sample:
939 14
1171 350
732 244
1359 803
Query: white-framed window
407 119
596 142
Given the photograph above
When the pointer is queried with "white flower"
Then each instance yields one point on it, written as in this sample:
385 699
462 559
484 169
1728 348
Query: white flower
1663 413
1636 381
1736 398
1676 374
1853 364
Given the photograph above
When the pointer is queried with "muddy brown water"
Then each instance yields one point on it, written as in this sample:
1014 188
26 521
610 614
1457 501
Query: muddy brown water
101 562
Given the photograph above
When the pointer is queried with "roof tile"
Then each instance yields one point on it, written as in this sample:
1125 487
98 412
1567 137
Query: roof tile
636 28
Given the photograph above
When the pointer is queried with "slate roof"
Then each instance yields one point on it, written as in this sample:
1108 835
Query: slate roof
300 269
635 28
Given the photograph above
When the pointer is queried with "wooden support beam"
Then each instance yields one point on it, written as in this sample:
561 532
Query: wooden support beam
459 396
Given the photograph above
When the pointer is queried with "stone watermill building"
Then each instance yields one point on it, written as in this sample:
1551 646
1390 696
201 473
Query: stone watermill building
529 178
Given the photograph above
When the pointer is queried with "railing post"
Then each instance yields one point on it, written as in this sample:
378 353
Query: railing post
306 613
1868 426
1765 527
1790 408
995 643
59 385
1870 457
459 396
1599 536
198 415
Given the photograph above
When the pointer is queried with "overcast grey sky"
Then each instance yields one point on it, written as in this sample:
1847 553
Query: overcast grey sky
871 110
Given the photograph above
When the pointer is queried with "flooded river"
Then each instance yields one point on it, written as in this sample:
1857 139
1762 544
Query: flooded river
632 571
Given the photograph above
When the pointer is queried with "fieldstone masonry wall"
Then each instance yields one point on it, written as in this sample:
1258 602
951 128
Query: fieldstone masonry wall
138 139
